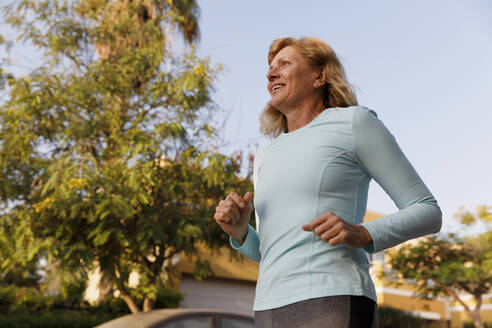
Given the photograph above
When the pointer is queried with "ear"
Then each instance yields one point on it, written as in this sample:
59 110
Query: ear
320 79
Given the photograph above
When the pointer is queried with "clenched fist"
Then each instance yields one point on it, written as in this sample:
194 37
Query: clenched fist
233 215
335 230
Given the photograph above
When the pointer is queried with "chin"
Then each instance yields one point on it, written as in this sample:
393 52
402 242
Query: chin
276 104
271 104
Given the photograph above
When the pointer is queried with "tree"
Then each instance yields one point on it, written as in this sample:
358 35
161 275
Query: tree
452 265
106 148
26 273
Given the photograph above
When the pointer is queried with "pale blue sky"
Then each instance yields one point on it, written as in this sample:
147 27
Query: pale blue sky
424 66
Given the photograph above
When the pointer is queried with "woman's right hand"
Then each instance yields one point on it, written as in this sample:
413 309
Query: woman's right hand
233 215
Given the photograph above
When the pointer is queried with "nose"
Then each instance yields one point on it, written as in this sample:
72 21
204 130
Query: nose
272 74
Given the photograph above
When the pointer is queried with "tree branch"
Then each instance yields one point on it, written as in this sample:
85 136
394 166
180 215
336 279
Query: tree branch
129 301
455 295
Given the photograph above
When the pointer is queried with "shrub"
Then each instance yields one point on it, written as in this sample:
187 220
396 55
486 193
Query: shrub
166 298
394 318
14 298
53 319
111 304
470 324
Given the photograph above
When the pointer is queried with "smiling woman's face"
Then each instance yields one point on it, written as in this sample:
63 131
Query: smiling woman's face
291 79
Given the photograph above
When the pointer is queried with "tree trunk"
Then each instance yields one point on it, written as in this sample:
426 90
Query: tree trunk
130 302
476 318
475 313
148 305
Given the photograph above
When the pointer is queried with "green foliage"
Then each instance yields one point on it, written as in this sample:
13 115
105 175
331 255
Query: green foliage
106 152
111 304
471 325
202 270
24 270
447 265
72 289
166 298
483 215
394 318
13 298
54 319
30 300
450 266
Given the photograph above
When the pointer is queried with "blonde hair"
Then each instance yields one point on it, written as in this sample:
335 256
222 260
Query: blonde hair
337 91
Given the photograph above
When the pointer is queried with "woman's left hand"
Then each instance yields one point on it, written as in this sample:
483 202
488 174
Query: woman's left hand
335 230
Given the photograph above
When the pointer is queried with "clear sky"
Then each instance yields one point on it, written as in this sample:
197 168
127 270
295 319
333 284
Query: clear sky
424 66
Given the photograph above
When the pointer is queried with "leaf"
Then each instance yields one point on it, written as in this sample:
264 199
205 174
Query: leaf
143 198
102 238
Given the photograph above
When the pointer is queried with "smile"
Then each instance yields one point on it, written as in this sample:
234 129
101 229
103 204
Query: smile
277 86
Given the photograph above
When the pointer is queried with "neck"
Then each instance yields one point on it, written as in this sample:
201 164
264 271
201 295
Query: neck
303 113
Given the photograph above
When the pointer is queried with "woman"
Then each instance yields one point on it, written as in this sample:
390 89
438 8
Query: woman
311 183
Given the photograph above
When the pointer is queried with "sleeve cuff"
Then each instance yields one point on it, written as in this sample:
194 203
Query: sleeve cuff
372 247
236 245
250 247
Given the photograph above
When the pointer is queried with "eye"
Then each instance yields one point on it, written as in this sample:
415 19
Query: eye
280 63
283 62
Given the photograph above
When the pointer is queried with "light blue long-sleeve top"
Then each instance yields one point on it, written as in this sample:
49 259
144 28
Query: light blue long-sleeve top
324 166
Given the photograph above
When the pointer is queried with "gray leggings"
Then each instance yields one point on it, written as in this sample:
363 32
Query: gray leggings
345 311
